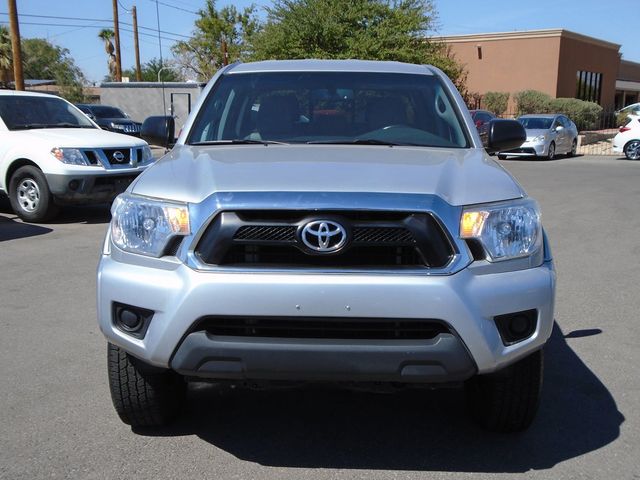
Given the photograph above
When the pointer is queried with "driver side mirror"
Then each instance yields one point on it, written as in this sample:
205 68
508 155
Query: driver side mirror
504 135
159 131
559 128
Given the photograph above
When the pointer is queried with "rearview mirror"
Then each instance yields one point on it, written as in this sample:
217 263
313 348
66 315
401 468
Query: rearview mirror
159 131
504 135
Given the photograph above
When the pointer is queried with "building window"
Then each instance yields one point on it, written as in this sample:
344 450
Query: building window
588 86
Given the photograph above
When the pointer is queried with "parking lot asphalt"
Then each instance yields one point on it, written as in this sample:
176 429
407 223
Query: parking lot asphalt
57 420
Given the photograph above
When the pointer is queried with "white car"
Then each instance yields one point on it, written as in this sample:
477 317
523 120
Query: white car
51 155
627 140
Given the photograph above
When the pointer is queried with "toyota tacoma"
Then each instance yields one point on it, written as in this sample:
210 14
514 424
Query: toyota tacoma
327 221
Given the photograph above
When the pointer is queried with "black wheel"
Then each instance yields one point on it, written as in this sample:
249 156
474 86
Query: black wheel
632 150
574 148
502 157
30 196
507 401
143 395
551 154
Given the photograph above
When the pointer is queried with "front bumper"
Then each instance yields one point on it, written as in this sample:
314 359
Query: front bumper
529 149
466 301
90 187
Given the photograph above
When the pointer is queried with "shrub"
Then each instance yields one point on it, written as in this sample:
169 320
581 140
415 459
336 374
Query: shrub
585 115
496 102
532 101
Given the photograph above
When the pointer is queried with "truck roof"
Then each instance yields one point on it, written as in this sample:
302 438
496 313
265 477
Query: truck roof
329 66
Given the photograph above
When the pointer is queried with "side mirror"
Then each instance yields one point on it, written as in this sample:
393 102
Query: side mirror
159 131
504 135
559 128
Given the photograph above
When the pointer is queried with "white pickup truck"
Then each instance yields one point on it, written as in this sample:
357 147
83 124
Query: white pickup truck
51 154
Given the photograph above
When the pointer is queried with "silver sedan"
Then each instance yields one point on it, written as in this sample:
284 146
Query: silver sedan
547 136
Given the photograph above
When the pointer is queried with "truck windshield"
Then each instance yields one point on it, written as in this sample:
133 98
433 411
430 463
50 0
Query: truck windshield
329 107
23 112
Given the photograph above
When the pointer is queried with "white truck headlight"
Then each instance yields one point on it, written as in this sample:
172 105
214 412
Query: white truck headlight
145 226
506 230
147 156
71 156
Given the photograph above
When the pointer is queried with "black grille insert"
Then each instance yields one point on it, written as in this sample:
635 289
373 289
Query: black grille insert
118 156
325 328
375 239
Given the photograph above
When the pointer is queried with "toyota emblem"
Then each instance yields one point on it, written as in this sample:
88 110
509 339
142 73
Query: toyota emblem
118 156
324 236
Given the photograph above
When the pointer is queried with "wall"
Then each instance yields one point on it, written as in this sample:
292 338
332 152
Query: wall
582 53
510 64
144 99
629 71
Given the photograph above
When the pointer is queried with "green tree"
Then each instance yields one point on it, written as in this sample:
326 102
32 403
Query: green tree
202 54
106 35
44 61
532 101
150 69
6 55
364 29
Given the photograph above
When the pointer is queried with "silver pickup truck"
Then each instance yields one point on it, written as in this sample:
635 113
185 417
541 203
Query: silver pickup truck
327 221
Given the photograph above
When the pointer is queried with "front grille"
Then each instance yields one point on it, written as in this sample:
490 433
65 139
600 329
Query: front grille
376 239
266 233
133 128
322 328
114 158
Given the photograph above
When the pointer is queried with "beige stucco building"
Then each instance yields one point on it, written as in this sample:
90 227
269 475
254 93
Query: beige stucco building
558 62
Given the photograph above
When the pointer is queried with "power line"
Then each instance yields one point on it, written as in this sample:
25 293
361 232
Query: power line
87 26
97 20
173 6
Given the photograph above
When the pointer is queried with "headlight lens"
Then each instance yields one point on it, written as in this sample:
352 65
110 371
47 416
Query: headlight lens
145 226
72 156
506 230
116 126
147 156
540 138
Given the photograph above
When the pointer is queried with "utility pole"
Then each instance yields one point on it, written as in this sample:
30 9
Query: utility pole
225 54
15 45
116 29
135 43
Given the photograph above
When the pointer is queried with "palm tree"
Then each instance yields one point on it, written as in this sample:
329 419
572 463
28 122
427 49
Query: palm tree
6 55
106 35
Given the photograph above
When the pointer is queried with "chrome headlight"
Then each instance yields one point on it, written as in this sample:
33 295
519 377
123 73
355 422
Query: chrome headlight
145 226
116 126
539 138
506 230
71 156
147 156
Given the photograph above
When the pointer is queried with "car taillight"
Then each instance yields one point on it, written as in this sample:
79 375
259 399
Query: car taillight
624 129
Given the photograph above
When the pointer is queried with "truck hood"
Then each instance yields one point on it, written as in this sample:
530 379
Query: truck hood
460 177
76 137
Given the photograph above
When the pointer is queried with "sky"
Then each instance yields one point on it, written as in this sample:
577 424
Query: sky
596 18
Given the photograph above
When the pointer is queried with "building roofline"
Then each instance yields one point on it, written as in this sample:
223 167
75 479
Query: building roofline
526 34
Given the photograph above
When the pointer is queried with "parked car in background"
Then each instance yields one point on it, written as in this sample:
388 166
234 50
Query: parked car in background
627 140
111 118
481 119
547 136
633 109
51 154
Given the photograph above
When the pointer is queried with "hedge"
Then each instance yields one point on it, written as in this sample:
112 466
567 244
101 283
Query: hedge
585 115
496 102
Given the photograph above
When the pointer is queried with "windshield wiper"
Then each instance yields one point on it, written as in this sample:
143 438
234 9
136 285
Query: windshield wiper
239 141
357 141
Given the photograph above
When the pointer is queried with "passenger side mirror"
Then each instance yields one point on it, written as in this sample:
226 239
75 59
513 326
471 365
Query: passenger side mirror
504 135
159 131
558 128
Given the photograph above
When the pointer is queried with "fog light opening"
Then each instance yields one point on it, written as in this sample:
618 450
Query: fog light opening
74 185
131 320
516 327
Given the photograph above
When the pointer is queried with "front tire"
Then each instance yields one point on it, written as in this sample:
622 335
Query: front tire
143 395
632 150
507 401
30 196
551 154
